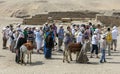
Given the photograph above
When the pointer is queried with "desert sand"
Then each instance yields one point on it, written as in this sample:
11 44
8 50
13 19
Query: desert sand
54 66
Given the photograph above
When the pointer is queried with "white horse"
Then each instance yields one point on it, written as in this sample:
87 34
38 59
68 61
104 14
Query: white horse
25 55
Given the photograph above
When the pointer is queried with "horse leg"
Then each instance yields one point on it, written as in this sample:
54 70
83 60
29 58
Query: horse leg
77 55
23 60
30 57
27 58
63 56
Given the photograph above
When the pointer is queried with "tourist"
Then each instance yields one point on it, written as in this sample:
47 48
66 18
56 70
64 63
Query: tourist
79 38
48 44
73 32
5 33
94 45
60 37
114 38
98 31
19 43
42 37
11 39
25 32
14 41
30 35
38 40
109 40
103 47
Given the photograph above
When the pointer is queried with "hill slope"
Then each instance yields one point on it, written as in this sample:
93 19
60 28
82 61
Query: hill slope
30 7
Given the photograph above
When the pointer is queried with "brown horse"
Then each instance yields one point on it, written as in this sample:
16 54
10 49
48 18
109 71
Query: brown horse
71 48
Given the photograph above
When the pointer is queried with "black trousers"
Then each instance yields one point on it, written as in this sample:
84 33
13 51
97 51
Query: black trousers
94 48
17 58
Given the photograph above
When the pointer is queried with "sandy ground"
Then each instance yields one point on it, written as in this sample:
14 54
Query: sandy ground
55 65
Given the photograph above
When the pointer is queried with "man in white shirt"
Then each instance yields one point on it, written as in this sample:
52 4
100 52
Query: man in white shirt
114 38
94 45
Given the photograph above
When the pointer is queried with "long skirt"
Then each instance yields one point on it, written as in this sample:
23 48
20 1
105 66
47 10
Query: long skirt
47 52
38 45
12 46
82 58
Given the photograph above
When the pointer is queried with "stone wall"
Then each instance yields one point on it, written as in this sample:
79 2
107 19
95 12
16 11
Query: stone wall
42 18
109 20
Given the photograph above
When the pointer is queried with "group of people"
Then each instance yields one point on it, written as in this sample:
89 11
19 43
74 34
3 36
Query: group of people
46 38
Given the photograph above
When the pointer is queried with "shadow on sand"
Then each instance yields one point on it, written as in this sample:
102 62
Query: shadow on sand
2 56
93 63
113 62
115 55
37 63
109 58
56 59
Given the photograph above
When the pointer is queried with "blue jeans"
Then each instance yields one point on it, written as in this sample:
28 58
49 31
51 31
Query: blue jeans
103 55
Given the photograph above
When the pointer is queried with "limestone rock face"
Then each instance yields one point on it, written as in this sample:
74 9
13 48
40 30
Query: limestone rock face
23 8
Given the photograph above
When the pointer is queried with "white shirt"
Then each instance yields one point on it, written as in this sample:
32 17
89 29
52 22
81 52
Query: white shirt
103 44
94 39
73 31
114 34
79 37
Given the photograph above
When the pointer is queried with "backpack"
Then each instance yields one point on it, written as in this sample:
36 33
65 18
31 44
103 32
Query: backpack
109 37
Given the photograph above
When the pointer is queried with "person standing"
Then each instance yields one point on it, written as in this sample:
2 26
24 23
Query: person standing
108 40
48 44
11 39
98 31
5 37
114 38
103 47
60 37
30 36
94 45
38 40
19 43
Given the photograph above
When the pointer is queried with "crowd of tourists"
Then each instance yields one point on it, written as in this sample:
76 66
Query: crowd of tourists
50 36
